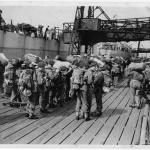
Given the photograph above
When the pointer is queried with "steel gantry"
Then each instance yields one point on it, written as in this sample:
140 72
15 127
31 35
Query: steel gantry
89 30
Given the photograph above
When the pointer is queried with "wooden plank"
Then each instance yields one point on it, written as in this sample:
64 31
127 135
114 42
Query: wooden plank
4 110
16 120
137 129
64 132
45 128
40 130
11 118
116 133
86 125
30 125
72 125
109 124
90 134
128 132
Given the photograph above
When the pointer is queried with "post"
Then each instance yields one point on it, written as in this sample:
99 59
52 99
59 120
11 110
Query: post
138 48
3 41
44 47
24 45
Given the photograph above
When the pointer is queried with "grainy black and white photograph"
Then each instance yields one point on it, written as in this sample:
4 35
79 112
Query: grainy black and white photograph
75 73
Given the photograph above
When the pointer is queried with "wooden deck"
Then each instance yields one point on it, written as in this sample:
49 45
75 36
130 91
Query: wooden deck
119 124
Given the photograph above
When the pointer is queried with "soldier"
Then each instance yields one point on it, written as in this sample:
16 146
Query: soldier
15 96
115 73
87 92
77 91
7 82
60 86
135 87
67 73
98 90
43 92
2 70
52 86
28 88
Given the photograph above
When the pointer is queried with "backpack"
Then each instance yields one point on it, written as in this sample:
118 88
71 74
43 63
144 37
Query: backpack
10 74
89 77
77 76
26 78
25 83
147 74
40 77
115 69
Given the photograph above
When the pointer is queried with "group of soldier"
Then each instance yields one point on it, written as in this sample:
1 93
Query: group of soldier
39 83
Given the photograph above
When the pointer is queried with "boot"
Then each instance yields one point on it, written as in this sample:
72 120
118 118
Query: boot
33 117
137 101
77 116
81 115
86 116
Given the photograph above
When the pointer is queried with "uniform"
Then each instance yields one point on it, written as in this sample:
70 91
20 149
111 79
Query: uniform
77 88
28 89
60 87
2 70
87 93
15 96
42 89
52 86
115 73
135 86
98 91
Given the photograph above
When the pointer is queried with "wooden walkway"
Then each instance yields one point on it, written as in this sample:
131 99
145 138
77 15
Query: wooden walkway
119 124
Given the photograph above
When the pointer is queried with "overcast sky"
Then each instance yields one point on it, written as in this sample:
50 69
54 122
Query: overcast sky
45 13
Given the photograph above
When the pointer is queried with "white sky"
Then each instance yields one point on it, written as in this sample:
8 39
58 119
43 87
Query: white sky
55 14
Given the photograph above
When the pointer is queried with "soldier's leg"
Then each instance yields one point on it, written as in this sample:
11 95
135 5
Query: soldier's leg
14 92
46 98
85 105
89 98
98 96
52 94
60 95
42 101
116 77
1 82
31 104
67 90
78 104
137 98
132 94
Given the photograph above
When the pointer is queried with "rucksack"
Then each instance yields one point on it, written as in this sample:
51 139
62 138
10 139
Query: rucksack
77 76
115 69
147 74
40 77
26 78
26 83
10 74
